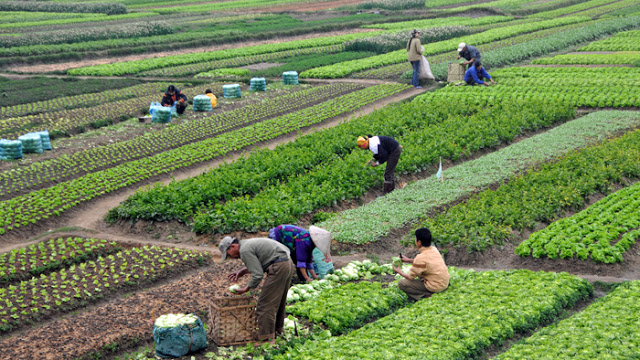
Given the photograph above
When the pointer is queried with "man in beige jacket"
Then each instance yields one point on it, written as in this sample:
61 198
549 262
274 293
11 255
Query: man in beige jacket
428 274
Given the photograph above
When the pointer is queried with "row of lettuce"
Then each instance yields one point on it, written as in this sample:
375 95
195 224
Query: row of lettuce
64 167
39 205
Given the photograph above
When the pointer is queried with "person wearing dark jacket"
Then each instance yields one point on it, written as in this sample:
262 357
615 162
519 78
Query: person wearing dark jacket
384 149
171 96
470 53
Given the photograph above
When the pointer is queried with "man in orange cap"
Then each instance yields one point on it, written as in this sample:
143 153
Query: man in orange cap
384 149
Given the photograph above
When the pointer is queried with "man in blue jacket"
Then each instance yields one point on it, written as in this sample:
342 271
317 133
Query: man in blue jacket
476 74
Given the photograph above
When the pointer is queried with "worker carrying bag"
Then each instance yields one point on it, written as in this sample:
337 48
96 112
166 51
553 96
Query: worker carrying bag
177 335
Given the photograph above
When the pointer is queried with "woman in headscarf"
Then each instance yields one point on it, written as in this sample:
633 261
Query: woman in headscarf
415 50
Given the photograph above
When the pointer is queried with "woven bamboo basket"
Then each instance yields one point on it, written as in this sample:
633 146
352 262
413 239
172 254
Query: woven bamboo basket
233 320
456 72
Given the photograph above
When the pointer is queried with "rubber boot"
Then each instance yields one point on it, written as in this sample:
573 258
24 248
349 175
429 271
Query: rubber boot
388 187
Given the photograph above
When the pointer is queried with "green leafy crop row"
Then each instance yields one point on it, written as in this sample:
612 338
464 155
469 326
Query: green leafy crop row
345 68
450 137
622 57
605 230
24 179
349 306
606 329
624 41
40 205
134 67
477 311
69 121
83 100
406 206
589 87
36 259
542 196
46 295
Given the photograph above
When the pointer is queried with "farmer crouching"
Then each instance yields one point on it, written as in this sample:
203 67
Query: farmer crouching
175 96
260 256
428 274
302 242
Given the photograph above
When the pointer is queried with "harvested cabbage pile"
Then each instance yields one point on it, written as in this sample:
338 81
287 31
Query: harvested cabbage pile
173 320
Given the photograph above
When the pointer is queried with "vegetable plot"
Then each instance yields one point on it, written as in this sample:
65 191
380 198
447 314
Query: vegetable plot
134 67
40 205
477 311
607 329
345 68
624 41
40 258
405 206
46 295
345 178
598 87
349 306
542 196
628 57
25 179
604 231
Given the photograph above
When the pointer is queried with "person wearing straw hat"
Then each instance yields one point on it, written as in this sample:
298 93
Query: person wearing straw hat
260 256
470 53
414 53
384 149
301 242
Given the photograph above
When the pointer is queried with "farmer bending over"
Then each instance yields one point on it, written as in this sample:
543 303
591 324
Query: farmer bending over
171 96
470 53
384 149
429 274
301 242
476 74
260 256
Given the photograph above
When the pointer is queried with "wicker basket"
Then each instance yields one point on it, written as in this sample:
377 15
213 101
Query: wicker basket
233 320
456 72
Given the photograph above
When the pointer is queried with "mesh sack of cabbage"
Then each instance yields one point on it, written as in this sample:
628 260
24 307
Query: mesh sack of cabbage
202 103
10 149
161 115
231 91
258 84
176 335
290 78
31 143
46 140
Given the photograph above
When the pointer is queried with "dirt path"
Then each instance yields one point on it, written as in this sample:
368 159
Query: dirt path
110 60
90 216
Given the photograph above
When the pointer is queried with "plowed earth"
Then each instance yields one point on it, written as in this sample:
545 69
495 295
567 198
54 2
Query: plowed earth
121 323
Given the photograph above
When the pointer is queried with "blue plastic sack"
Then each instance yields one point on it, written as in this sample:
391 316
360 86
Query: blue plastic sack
172 342
322 264
154 105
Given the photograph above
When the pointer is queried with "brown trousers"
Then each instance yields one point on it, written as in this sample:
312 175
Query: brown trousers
414 288
273 299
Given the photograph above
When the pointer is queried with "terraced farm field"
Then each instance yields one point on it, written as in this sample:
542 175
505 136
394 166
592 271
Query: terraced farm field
529 185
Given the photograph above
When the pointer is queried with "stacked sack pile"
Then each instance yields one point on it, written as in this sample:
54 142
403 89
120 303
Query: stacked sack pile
290 78
202 103
258 84
31 143
161 115
10 149
231 91
46 140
